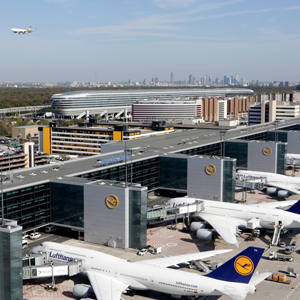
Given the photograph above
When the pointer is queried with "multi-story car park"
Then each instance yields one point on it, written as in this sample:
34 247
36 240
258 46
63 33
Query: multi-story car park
81 103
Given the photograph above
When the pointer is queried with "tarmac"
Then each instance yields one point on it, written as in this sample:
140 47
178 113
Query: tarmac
176 242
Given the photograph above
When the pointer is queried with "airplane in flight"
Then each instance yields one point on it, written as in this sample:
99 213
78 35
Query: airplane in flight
228 218
281 185
111 276
17 30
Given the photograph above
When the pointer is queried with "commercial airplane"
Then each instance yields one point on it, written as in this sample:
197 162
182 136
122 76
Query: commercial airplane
110 276
227 218
280 184
17 30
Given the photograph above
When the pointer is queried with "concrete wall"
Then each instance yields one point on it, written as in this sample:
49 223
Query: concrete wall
202 185
22 132
260 158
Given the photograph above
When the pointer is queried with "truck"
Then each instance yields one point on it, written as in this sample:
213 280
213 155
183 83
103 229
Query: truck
275 256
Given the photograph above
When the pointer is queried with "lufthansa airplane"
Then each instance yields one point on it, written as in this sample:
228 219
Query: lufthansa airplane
281 185
227 218
111 276
17 30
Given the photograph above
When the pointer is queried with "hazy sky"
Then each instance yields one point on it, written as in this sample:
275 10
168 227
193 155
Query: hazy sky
141 39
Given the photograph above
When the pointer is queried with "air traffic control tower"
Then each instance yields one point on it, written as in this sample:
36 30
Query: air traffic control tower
11 280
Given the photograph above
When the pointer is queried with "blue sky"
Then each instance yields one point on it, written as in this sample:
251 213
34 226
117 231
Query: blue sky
141 39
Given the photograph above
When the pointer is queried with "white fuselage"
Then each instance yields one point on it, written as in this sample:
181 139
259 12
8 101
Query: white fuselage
141 276
274 179
240 214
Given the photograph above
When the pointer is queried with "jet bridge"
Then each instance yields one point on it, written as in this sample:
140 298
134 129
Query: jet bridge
251 182
42 265
167 213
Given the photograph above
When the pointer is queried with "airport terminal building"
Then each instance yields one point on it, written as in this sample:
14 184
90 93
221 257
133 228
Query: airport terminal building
114 184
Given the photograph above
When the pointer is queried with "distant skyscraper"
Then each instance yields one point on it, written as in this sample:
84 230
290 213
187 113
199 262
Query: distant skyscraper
225 81
287 83
172 77
192 79
156 80
130 81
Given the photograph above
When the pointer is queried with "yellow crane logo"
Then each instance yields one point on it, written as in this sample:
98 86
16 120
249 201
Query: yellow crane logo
210 169
244 265
112 201
267 151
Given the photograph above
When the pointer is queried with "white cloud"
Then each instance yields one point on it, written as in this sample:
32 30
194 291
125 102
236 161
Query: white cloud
62 2
169 4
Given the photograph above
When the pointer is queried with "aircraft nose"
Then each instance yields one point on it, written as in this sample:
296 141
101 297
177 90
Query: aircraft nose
36 250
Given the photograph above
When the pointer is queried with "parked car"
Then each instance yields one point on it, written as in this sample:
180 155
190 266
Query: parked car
142 252
50 228
24 244
25 235
289 250
282 244
294 244
34 235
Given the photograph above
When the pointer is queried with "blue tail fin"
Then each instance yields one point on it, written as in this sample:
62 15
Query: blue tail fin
295 208
239 268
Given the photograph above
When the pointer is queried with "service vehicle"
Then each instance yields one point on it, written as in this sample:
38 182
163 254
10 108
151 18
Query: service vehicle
34 235
275 256
142 252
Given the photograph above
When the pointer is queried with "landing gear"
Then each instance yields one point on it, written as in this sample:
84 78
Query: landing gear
130 293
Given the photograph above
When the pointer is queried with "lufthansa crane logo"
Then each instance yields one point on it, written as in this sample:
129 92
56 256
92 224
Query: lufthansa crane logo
244 265
267 151
112 201
210 169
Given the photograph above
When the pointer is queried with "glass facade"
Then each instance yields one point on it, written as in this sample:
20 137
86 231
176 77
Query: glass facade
11 281
229 175
145 172
67 207
29 206
238 150
281 136
212 149
137 219
173 173
281 158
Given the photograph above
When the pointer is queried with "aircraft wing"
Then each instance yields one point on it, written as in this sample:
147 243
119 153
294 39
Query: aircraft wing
174 260
275 204
224 227
106 288
285 187
233 292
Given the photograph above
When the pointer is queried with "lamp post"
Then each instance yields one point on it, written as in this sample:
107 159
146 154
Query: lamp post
276 122
131 167
222 135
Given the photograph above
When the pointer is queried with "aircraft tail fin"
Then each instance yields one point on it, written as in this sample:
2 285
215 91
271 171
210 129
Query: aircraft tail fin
295 208
239 268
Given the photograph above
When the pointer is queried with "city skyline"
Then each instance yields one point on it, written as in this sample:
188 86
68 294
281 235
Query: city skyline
132 40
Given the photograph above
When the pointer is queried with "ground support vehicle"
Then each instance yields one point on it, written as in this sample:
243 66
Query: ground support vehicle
275 256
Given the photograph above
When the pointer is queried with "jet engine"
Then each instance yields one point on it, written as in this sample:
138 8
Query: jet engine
197 225
271 190
205 234
83 291
283 194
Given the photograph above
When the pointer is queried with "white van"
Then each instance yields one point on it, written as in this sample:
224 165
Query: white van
50 228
